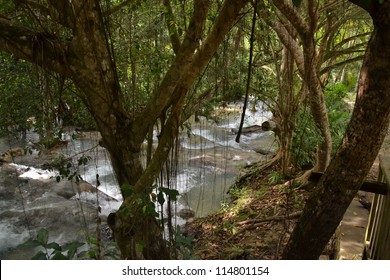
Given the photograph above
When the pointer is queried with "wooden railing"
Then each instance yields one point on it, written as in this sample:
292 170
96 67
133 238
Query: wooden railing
377 239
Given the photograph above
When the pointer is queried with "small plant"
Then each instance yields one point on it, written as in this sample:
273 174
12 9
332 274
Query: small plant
274 178
307 136
52 250
183 244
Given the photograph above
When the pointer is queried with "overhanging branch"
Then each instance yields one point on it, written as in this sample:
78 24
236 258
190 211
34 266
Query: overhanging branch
39 48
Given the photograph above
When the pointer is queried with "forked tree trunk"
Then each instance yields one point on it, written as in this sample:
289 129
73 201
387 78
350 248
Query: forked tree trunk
361 143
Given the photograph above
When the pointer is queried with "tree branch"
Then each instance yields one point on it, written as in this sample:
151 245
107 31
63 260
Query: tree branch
35 5
38 48
358 48
163 96
119 7
290 43
341 63
171 24
65 13
293 16
343 42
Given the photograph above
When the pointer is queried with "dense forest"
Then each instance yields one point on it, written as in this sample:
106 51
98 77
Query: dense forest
132 69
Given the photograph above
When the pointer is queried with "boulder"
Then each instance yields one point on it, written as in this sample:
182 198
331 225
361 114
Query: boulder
9 155
186 213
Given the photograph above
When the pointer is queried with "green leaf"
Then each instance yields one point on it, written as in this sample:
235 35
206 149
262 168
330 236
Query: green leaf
74 244
381 1
72 248
150 210
160 198
127 190
54 245
40 256
71 253
30 244
59 256
43 237
173 194
92 255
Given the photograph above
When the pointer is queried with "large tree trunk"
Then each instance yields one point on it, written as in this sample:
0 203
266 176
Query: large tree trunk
362 141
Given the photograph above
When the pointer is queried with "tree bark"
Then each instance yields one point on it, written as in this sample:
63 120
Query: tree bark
361 143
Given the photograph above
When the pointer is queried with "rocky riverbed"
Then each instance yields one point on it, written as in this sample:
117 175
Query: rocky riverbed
32 199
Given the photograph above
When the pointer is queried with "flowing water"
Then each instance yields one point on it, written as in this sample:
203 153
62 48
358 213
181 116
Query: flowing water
207 163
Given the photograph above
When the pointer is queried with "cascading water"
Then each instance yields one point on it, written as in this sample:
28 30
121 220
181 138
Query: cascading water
208 161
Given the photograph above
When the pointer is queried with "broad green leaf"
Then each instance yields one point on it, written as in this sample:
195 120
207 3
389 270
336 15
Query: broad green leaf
30 244
173 194
39 256
72 249
54 245
71 253
160 198
43 237
59 256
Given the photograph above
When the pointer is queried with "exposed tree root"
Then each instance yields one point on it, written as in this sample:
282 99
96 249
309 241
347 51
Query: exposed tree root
253 223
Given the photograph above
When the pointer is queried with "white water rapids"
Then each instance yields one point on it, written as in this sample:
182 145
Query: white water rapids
208 162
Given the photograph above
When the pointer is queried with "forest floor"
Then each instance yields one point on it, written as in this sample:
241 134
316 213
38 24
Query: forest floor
257 222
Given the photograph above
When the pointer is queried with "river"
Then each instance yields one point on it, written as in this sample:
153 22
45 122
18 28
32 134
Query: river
207 164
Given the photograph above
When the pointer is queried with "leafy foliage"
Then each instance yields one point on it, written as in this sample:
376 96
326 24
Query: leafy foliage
183 244
52 250
306 135
274 178
18 96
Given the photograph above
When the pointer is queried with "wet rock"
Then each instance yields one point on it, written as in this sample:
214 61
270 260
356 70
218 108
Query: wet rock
186 213
263 151
84 186
202 161
9 155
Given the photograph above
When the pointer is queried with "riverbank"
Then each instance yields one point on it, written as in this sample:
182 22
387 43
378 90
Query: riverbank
258 221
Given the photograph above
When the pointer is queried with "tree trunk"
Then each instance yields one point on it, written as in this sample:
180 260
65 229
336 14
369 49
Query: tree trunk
361 143
308 66
314 87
